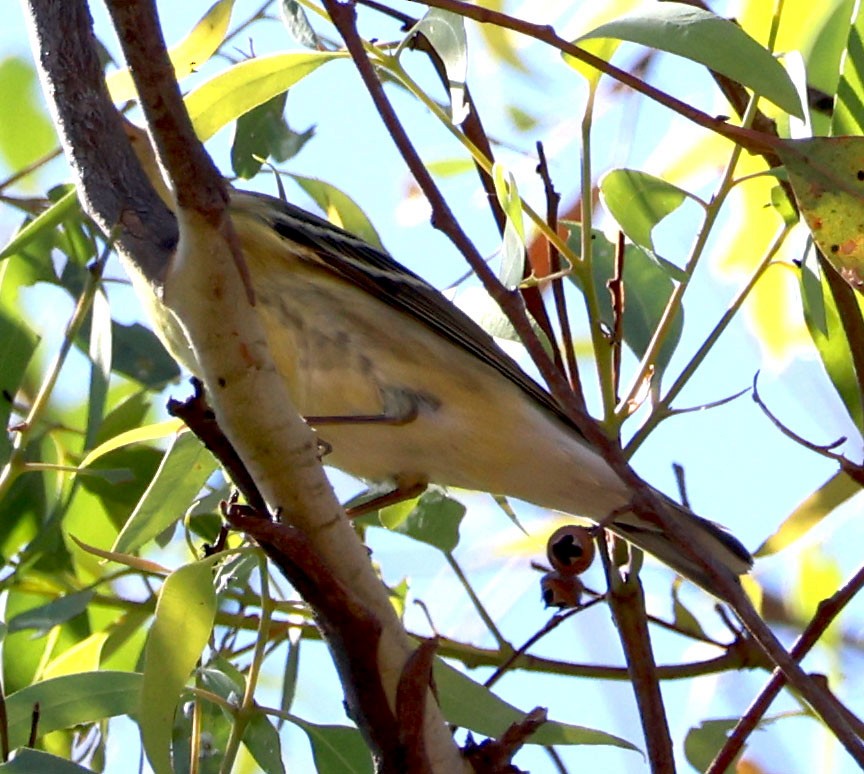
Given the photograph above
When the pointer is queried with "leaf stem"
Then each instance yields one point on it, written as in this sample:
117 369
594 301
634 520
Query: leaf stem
392 64
673 306
663 407
247 708
599 340
503 645
16 464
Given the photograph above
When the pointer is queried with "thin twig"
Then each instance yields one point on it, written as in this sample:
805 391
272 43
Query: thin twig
827 611
754 141
627 604
853 470
553 200
473 130
617 291
553 623
343 15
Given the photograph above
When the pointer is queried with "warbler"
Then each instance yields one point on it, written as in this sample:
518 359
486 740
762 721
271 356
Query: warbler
405 388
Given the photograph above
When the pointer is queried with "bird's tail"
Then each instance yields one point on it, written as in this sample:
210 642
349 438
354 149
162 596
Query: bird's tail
704 537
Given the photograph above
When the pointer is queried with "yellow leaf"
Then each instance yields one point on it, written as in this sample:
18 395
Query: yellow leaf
810 512
134 562
138 435
188 55
83 656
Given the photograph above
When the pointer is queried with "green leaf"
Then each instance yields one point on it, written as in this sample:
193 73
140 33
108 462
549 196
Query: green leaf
297 23
76 240
337 749
340 208
99 352
513 248
22 511
56 612
434 519
17 345
262 740
137 353
826 326
29 761
30 134
647 286
504 45
638 202
227 96
392 516
810 512
72 700
827 176
487 313
185 467
203 39
848 116
184 619
702 37
683 619
138 434
263 133
451 167
704 741
445 32
129 413
475 707
824 51
816 577
604 48
44 223
291 669
120 480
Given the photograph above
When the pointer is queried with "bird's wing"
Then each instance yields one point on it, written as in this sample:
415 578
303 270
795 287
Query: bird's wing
376 272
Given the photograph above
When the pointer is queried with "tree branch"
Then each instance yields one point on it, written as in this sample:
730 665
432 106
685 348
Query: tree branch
645 502
827 611
229 349
113 188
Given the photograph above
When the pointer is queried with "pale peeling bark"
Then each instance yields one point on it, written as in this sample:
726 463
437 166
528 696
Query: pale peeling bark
201 284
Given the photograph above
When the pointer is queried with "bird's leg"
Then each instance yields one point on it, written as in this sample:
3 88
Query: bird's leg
406 487
399 408
609 518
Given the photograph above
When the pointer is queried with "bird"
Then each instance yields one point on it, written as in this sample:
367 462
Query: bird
405 388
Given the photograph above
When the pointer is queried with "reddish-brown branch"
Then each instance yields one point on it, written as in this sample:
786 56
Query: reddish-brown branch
827 611
627 604
553 200
755 142
645 502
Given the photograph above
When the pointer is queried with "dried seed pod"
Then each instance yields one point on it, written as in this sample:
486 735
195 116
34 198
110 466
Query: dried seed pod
570 549
563 591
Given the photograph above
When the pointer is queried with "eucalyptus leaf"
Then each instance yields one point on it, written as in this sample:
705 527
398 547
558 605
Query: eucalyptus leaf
647 287
184 620
473 706
848 116
703 37
639 201
445 31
